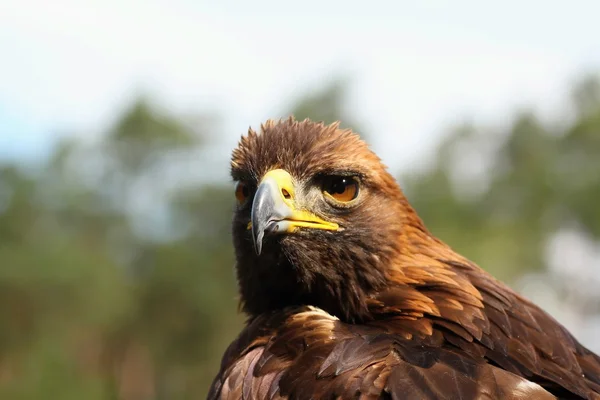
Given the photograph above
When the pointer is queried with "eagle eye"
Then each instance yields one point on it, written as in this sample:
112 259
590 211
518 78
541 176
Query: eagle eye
242 192
341 188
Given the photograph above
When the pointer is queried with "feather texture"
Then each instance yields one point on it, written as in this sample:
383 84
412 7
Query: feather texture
381 309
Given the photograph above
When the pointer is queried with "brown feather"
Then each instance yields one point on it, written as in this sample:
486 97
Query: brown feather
381 309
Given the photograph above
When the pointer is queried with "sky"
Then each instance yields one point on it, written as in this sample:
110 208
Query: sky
69 66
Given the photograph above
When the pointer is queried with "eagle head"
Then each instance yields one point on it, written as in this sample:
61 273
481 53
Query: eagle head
315 212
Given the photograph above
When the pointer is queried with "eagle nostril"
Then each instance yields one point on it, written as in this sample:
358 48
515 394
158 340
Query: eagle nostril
286 194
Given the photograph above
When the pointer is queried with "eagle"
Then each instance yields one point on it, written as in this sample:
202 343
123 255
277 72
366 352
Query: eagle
349 296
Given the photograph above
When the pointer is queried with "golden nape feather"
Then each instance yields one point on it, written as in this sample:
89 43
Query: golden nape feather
349 296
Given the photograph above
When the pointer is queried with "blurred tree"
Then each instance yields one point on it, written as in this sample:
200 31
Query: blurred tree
501 198
129 312
117 275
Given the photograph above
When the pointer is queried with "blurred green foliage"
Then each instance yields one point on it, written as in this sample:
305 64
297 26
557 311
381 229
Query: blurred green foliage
497 195
116 277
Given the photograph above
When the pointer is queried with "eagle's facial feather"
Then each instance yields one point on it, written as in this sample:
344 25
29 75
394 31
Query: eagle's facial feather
335 248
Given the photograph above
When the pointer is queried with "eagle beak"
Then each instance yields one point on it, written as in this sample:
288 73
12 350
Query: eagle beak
274 209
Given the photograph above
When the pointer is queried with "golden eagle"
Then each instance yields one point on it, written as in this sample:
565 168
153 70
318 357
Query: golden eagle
349 296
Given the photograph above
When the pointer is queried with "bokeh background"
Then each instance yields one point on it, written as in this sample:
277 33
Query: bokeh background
117 118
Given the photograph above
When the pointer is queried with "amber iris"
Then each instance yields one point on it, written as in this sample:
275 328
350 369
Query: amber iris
242 192
341 188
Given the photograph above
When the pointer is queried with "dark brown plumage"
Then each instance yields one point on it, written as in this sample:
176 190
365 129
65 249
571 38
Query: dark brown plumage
360 301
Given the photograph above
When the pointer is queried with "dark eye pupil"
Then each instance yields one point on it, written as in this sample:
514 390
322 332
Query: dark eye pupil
338 186
341 188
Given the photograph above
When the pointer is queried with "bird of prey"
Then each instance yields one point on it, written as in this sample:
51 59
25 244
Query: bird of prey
349 296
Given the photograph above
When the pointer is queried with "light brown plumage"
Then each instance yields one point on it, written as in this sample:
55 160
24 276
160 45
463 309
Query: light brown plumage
381 308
